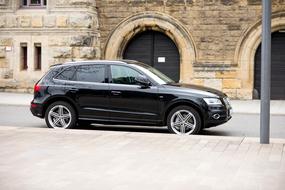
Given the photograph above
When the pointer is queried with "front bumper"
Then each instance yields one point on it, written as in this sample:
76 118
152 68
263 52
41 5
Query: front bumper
218 115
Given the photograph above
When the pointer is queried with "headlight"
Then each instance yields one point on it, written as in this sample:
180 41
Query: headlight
213 101
227 101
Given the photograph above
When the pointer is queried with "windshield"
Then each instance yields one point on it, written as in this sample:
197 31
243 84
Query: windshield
155 74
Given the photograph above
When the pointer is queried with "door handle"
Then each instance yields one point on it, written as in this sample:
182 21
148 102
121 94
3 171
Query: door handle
116 93
73 90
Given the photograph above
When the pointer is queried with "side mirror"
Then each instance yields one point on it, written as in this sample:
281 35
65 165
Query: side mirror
142 80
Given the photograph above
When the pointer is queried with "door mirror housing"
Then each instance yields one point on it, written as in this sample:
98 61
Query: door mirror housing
142 81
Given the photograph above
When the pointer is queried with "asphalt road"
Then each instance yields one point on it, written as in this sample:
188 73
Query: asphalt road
239 125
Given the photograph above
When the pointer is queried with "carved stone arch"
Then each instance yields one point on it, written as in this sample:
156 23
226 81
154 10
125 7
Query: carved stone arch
247 46
161 22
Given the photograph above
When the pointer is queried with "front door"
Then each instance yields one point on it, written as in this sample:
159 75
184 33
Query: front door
128 100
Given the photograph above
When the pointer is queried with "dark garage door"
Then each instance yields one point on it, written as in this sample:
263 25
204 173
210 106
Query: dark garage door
277 68
155 49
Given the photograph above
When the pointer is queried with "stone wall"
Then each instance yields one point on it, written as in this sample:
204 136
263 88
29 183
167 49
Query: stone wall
81 29
67 31
216 27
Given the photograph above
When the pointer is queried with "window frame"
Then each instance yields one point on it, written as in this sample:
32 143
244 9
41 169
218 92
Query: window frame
63 70
106 80
111 78
24 56
30 5
38 56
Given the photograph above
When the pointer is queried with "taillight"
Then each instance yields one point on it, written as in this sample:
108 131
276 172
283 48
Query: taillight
37 88
33 105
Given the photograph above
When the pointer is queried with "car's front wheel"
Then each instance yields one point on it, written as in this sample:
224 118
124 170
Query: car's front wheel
184 120
60 115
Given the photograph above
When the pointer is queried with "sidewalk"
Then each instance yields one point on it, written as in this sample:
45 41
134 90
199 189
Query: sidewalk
34 158
239 106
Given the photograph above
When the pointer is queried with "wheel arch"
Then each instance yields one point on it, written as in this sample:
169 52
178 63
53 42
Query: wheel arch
183 103
59 98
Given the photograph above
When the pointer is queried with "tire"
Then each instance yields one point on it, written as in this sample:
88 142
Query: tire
187 123
60 115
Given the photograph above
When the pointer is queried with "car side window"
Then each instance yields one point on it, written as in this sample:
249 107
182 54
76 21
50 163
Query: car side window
91 73
67 74
123 75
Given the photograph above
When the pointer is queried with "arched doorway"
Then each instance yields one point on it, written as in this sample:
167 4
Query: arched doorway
246 53
156 21
277 68
157 50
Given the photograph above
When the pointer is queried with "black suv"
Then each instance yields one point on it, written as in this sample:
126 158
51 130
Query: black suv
125 92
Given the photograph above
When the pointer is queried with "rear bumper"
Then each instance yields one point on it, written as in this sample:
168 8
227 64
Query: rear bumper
36 109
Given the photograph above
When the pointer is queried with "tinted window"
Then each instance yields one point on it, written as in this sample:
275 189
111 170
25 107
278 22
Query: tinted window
123 75
91 73
67 74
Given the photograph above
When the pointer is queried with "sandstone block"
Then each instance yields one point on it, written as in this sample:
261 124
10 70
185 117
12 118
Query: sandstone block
25 21
232 93
2 21
226 74
231 83
81 2
81 21
49 21
76 52
61 21
2 52
98 52
37 21
3 63
11 21
8 74
244 94
199 82
62 52
81 41
213 83
87 52
58 41
5 41
204 74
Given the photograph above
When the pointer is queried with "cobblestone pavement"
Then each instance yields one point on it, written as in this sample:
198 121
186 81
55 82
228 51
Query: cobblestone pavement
40 158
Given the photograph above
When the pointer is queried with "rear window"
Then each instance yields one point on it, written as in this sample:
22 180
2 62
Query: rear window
91 73
67 74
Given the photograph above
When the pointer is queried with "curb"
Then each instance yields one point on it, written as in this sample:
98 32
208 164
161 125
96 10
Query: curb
239 140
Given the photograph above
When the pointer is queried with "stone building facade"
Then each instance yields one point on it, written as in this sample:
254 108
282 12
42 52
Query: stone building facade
216 39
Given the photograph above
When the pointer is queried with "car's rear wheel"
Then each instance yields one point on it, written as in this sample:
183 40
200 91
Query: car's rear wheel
184 120
60 115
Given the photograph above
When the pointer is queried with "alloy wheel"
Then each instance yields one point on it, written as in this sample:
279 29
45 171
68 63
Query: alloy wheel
59 116
183 122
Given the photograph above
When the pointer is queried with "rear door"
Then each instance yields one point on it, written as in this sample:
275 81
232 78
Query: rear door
90 90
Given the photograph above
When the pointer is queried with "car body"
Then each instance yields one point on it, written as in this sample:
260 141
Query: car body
125 92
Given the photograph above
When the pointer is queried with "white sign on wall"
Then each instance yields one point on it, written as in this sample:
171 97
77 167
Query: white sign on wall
8 48
161 59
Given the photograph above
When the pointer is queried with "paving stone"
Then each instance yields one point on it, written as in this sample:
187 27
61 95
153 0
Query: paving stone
64 159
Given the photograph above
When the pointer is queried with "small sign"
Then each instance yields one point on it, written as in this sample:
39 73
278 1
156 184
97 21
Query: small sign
161 60
8 48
